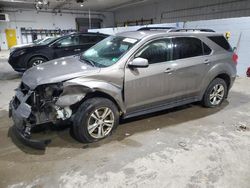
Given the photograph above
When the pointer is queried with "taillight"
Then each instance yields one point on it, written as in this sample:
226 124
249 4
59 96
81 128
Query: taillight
235 58
248 72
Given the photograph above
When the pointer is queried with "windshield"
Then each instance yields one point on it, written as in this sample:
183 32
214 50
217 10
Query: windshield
37 41
108 51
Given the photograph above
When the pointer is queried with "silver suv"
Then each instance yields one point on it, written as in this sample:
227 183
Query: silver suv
123 76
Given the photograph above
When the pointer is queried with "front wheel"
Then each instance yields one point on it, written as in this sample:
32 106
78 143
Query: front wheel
215 93
36 61
95 119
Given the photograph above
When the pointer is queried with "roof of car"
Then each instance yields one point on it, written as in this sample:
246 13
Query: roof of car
86 33
145 33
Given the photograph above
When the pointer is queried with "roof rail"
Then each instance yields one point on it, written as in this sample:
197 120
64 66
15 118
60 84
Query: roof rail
190 29
155 28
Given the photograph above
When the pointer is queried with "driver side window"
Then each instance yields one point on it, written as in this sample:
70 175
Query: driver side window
157 51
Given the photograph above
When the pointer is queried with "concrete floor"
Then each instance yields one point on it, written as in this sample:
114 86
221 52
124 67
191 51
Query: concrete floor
190 146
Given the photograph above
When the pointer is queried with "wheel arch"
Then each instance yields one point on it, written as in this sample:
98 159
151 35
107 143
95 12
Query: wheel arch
223 75
219 70
102 95
75 93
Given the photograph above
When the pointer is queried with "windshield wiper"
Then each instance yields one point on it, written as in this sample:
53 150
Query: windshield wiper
88 61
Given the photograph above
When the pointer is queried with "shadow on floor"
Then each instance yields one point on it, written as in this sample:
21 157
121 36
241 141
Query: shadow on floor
62 136
7 72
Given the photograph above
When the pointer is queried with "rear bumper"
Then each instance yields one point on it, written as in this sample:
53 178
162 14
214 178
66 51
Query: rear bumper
22 130
232 81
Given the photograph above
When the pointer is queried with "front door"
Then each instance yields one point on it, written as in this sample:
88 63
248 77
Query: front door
146 87
11 37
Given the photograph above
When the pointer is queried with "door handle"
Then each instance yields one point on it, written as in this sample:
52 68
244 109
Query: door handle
169 70
207 62
77 50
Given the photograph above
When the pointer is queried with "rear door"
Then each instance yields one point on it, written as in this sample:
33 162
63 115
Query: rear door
191 61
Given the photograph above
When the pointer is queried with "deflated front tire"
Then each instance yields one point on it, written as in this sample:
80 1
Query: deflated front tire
95 119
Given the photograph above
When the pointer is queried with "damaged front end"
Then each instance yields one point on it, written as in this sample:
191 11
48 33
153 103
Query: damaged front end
33 108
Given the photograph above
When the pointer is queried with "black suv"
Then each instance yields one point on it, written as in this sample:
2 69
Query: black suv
23 58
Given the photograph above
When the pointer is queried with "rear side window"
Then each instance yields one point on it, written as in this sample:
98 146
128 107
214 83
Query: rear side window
185 47
221 41
206 49
99 38
85 39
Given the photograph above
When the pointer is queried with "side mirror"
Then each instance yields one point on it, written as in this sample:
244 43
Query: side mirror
138 63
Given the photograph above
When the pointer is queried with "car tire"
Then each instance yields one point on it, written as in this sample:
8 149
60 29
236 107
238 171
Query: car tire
34 61
215 93
90 123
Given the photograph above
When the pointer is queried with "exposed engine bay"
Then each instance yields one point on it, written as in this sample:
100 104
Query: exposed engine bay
46 104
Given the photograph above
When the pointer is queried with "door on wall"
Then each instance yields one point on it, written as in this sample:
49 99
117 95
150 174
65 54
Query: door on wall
83 24
11 37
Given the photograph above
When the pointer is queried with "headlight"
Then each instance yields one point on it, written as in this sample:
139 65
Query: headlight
18 52
12 49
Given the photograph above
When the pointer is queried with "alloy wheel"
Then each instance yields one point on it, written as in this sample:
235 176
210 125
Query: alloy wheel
217 94
37 62
101 122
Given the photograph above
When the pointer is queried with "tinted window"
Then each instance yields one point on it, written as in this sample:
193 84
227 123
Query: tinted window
95 39
157 51
83 39
99 38
221 41
69 41
89 39
206 49
185 47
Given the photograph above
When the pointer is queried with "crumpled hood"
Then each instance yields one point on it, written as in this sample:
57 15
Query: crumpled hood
57 70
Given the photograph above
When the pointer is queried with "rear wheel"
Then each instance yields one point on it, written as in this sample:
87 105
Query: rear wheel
95 119
36 61
215 93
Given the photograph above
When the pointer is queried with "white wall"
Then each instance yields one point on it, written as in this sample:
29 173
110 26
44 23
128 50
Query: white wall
236 26
114 30
168 11
43 20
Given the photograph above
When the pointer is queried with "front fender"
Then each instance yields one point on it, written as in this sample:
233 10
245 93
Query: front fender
76 89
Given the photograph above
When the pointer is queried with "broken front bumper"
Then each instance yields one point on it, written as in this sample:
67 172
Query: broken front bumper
20 111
